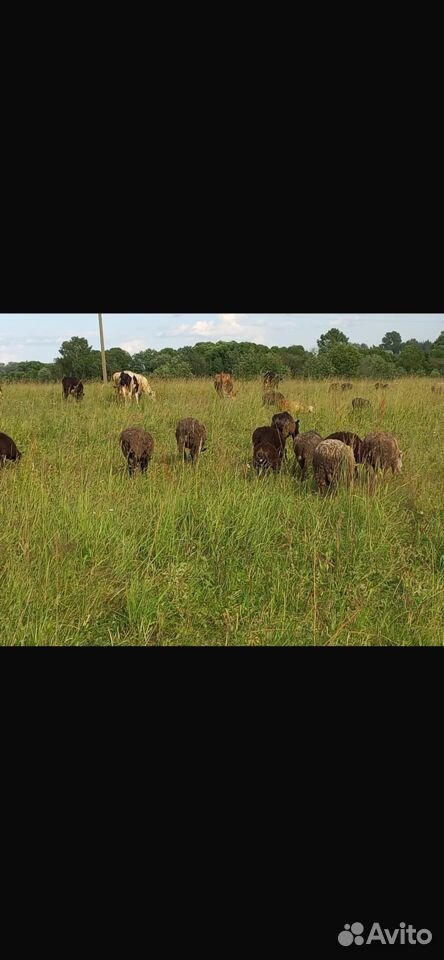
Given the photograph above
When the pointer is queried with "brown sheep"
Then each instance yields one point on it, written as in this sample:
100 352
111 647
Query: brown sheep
359 402
8 450
271 380
333 461
191 436
351 440
334 386
435 389
137 446
287 427
381 451
266 456
272 398
304 447
224 385
346 386
270 436
381 386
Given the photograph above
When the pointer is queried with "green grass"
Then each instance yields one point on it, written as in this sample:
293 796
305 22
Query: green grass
215 555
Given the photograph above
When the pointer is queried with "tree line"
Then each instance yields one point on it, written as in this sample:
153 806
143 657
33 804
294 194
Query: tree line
335 356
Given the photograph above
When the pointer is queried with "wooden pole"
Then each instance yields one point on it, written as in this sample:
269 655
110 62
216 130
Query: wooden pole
102 348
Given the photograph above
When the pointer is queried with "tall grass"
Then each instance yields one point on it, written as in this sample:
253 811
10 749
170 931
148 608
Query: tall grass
215 555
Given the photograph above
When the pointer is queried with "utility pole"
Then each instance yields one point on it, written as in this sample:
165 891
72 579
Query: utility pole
102 348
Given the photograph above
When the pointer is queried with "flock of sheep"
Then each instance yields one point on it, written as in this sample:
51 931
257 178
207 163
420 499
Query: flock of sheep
332 460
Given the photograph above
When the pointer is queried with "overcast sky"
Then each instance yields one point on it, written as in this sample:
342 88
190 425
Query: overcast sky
38 336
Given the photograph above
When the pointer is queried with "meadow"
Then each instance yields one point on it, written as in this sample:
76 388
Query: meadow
215 555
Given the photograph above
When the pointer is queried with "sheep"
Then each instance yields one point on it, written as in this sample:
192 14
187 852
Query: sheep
191 435
381 451
351 440
8 450
271 380
266 456
334 386
137 446
287 427
381 386
269 436
295 406
304 447
435 389
359 402
346 386
224 385
333 461
272 398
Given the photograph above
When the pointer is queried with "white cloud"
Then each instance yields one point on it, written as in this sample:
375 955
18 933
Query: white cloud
203 327
9 356
133 346
225 325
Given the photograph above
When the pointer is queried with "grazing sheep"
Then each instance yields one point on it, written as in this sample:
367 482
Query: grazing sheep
191 436
272 398
346 386
334 386
72 387
333 462
224 385
381 451
304 447
270 436
381 386
351 440
8 449
435 389
266 456
271 380
137 446
359 402
295 406
286 425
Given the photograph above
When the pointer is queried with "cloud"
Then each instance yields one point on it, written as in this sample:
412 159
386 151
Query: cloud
8 355
224 326
133 346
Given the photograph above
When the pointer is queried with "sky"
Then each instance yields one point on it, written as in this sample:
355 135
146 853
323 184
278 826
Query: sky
38 336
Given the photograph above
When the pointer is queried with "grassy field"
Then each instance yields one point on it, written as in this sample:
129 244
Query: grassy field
215 555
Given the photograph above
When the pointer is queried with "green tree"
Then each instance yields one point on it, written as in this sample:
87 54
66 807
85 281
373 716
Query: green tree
45 375
118 360
330 339
412 359
75 357
376 367
345 359
392 341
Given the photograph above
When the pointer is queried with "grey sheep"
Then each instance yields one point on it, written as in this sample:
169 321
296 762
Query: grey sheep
351 440
333 462
359 402
304 447
191 436
381 451
137 446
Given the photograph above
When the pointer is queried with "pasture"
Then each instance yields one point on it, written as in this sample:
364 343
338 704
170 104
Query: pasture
214 555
